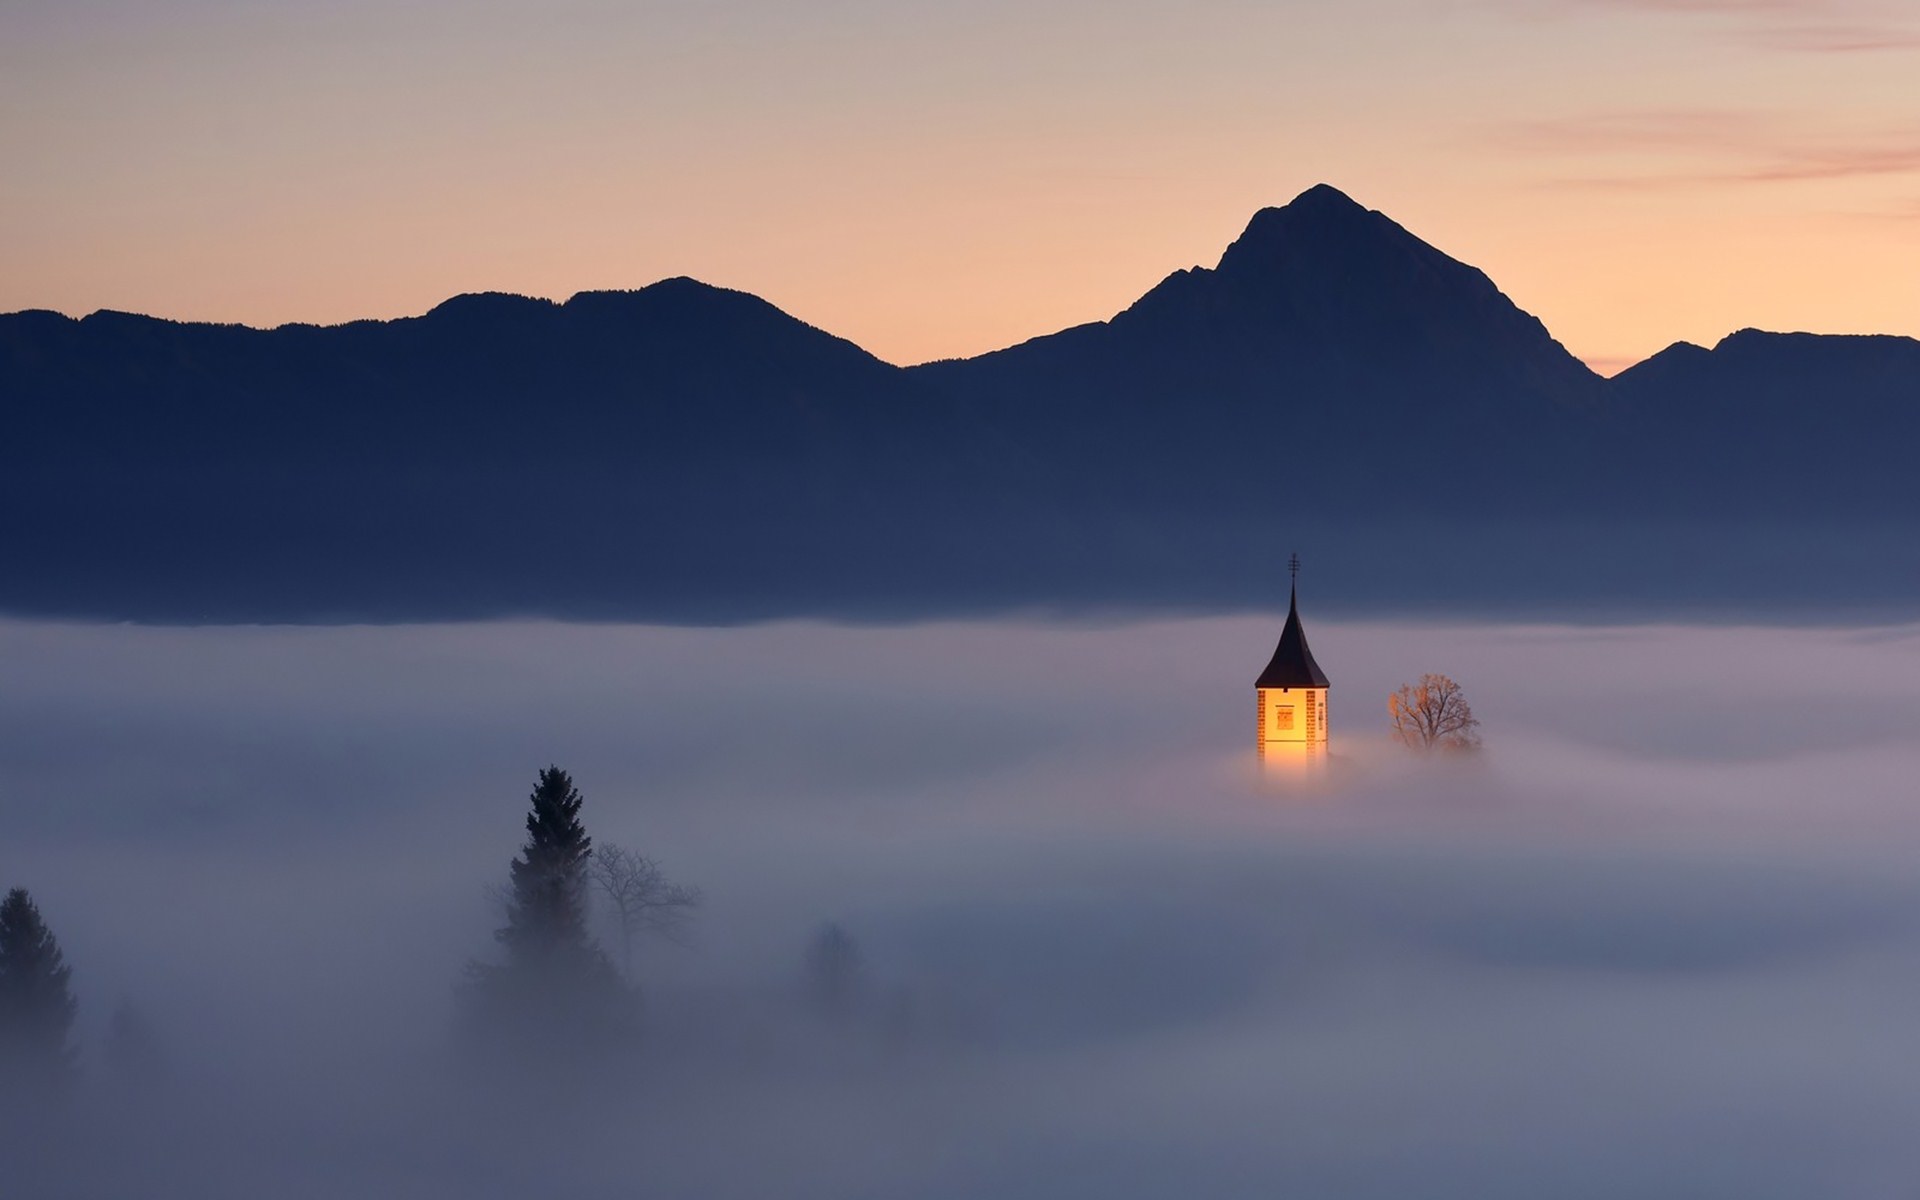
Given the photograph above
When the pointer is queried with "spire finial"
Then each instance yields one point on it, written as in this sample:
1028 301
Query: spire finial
1293 567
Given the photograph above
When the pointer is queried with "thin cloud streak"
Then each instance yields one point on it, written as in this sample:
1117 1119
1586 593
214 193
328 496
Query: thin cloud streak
1811 167
1687 130
1901 212
1790 8
1755 148
1839 39
1792 26
1841 164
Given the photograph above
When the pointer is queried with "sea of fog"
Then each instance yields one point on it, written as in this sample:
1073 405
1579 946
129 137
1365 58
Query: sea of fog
1661 939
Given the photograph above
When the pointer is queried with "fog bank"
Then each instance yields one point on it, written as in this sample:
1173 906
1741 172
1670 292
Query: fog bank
1661 938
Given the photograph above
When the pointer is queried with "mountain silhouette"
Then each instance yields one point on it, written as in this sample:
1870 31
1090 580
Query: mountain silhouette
1329 345
1333 384
499 454
1792 425
1319 283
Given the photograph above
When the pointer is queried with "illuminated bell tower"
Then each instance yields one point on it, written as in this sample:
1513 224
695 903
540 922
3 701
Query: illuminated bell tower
1292 692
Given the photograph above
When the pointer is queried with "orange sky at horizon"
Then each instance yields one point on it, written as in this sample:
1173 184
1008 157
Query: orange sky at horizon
933 180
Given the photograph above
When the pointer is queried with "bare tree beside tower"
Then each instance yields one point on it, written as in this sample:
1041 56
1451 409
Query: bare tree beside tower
1433 714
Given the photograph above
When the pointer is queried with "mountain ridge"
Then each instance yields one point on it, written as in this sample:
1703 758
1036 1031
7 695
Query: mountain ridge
695 453
1322 196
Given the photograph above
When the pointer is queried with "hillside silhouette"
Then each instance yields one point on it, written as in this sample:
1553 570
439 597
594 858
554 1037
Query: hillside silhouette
682 452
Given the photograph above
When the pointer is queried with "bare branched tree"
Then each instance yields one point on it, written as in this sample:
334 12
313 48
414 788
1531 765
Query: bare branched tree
642 898
1433 714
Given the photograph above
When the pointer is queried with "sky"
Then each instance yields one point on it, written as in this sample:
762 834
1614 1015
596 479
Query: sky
1659 939
941 179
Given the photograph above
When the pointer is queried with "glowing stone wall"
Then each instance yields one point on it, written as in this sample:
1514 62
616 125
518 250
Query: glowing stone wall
1292 723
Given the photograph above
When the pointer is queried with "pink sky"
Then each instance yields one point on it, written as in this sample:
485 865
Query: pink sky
935 179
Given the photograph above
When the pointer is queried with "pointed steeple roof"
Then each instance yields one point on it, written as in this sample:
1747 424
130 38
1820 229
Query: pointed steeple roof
1292 665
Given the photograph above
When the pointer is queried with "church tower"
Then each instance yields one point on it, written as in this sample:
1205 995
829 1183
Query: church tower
1292 692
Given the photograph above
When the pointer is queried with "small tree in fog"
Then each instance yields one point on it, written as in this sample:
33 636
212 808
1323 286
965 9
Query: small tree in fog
834 973
1433 714
556 983
36 1004
133 1049
643 900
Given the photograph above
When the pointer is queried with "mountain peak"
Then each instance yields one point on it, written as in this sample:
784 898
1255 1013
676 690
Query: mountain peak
1325 272
1325 196
1320 211
1322 216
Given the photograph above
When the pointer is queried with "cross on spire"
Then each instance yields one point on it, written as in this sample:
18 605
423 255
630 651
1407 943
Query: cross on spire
1293 567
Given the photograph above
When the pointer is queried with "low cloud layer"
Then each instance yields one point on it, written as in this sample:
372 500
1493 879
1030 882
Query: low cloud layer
1662 939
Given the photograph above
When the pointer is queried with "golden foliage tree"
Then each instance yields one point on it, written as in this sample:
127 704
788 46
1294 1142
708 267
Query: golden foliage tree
1433 714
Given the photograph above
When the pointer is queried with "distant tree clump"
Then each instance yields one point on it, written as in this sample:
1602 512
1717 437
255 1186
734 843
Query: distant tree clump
133 1049
556 988
36 1003
1433 714
835 974
643 900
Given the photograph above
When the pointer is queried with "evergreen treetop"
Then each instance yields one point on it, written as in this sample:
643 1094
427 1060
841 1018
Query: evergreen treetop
36 1003
546 908
556 996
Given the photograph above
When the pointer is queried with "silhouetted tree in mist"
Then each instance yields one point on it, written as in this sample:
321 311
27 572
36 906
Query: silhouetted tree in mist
840 989
834 973
133 1049
546 912
36 1003
642 898
556 987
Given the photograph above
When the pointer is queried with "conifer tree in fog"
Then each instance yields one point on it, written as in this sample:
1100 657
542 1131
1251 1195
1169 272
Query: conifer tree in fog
834 973
36 1004
546 908
555 985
